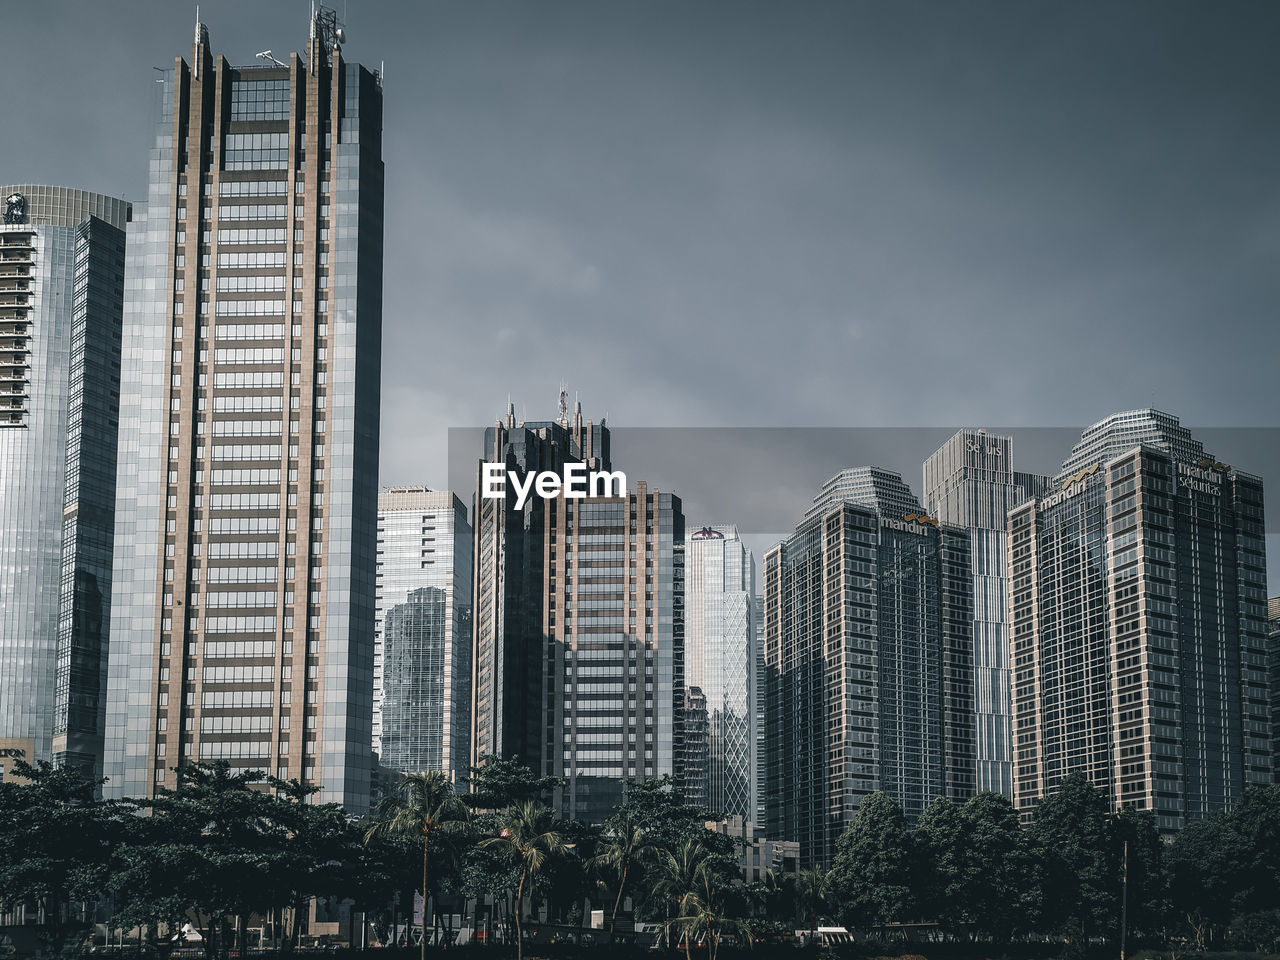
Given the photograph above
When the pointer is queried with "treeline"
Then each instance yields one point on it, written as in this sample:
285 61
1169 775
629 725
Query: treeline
227 847
972 870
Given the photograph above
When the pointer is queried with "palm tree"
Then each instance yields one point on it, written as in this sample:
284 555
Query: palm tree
679 876
704 909
811 888
625 846
422 803
529 832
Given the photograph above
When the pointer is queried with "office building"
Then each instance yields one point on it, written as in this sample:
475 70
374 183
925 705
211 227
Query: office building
61 292
758 605
1138 625
579 622
1273 652
693 764
247 493
720 661
970 482
758 853
868 661
422 636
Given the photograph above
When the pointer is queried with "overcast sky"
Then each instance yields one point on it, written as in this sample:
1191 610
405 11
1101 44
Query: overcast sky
783 214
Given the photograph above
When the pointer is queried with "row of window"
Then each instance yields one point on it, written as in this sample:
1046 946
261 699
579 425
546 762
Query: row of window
262 673
239 451
246 476
250 308
257 574
244 501
239 403
249 235
253 211
240 525
247 428
251 724
238 649
251 380
253 283
251 261
253 188
241 598
241 550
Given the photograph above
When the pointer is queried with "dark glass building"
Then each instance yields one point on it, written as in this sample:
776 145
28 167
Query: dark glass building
62 254
1138 625
579 622
868 641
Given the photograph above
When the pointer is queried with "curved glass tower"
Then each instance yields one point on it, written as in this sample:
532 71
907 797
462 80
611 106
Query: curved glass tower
61 289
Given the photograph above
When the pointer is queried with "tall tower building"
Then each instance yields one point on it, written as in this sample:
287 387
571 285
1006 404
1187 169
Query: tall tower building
1138 625
422 637
720 661
970 482
579 622
247 493
868 658
61 292
1273 653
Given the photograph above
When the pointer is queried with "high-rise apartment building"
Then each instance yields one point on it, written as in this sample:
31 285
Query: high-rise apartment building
869 665
970 482
242 627
61 292
1273 653
579 622
422 636
720 661
1138 625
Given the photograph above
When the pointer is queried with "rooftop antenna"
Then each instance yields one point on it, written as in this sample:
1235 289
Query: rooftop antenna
266 55
564 404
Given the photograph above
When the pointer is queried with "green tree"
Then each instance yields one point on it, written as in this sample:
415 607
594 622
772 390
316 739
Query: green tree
626 846
1204 864
1003 885
209 851
57 839
677 875
501 783
1256 820
530 836
943 864
872 873
1074 841
423 805
704 910
811 894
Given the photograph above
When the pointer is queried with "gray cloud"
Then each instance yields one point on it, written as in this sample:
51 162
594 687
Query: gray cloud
739 213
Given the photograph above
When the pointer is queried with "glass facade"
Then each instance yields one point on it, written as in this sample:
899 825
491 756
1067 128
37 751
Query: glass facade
720 661
61 290
422 637
247 488
1138 627
970 482
579 622
869 668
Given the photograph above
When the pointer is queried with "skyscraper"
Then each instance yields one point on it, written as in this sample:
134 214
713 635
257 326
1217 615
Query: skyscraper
1138 625
868 657
1273 653
510 606
579 622
61 291
422 637
247 495
970 482
720 661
